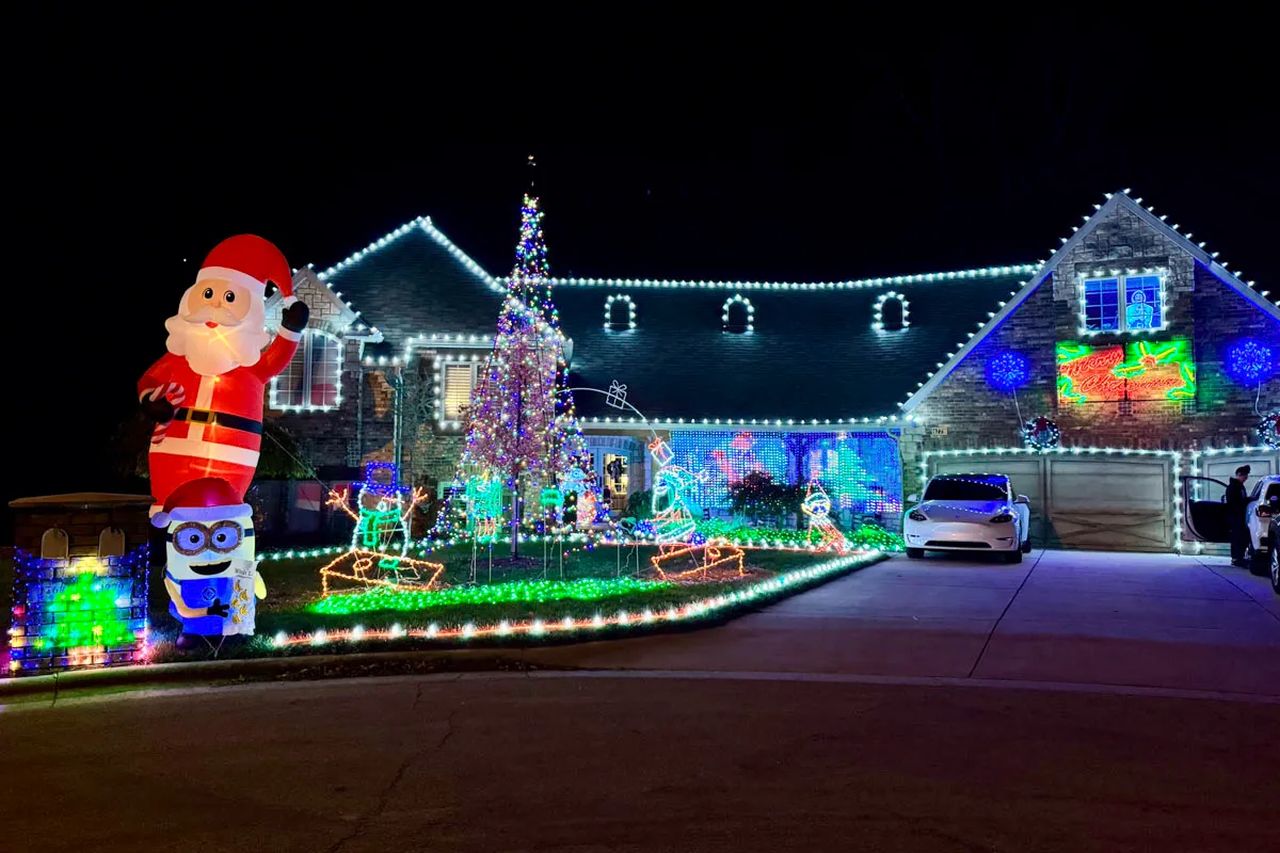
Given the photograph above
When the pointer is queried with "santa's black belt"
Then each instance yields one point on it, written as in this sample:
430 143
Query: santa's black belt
222 419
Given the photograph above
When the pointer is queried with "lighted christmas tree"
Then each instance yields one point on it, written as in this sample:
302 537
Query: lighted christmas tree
521 426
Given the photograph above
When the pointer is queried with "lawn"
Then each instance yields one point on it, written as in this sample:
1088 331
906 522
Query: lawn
598 589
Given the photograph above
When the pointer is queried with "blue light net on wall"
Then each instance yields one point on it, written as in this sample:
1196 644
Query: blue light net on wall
860 471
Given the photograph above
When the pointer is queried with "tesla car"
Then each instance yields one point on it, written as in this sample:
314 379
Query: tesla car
969 512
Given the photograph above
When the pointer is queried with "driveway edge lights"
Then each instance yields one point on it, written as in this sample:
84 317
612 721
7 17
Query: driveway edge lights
712 607
456 656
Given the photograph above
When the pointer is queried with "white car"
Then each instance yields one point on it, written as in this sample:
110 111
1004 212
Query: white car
969 512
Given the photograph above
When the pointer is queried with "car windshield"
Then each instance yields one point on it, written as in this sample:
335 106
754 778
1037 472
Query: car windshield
965 489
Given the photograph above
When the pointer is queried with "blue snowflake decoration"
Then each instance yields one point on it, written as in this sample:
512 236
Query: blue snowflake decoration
1008 371
1249 362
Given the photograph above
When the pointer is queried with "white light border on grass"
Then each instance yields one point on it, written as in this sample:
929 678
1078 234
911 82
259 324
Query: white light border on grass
698 609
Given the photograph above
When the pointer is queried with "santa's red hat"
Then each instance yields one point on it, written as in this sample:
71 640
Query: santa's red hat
205 499
251 261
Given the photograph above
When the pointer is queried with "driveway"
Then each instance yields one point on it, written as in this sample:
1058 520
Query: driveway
1131 620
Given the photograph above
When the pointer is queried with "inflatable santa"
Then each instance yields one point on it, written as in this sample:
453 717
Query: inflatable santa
211 570
205 394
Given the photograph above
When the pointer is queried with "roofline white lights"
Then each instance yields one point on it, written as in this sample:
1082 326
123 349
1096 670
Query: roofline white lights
853 284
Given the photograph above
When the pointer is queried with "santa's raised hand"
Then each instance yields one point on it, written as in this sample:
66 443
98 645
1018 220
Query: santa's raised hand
206 393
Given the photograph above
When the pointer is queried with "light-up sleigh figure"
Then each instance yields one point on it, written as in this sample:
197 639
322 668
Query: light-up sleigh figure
817 507
682 553
378 555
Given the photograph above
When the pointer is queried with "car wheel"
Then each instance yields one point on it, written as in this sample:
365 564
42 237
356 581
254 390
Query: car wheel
1014 556
1259 561
1275 569
1026 546
915 553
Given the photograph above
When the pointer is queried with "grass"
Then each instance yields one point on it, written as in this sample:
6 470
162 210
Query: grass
589 583
293 590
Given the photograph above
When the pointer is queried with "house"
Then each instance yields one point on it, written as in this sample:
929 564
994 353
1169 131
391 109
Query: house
1124 337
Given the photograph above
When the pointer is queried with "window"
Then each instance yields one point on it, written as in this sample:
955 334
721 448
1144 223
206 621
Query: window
619 312
972 488
313 378
738 314
459 380
1123 303
889 314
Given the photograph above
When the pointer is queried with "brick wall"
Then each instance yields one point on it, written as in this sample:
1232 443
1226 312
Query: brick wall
1198 306
362 428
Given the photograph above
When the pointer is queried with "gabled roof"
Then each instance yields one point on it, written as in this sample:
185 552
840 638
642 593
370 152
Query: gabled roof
812 356
1114 201
415 281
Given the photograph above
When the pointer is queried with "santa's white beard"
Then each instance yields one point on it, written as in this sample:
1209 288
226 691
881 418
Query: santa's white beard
212 352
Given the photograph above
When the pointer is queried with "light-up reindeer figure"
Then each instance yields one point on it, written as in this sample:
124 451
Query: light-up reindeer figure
817 506
382 525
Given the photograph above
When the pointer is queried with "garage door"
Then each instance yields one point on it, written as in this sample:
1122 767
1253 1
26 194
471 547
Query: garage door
1102 502
1220 466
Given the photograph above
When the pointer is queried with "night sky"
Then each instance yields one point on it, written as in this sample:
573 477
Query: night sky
667 147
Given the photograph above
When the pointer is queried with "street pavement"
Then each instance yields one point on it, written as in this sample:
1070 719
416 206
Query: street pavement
1077 702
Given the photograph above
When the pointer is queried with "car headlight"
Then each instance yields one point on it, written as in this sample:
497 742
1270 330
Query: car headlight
917 515
1002 518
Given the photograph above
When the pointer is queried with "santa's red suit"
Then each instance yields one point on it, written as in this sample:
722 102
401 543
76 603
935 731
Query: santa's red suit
208 403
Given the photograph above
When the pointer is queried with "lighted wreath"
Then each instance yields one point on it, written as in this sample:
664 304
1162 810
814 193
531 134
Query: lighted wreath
1041 433
1269 429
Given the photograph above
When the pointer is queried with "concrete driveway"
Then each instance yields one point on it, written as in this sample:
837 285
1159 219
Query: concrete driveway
1131 620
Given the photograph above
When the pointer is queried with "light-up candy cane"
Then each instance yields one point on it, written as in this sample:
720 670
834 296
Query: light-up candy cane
175 394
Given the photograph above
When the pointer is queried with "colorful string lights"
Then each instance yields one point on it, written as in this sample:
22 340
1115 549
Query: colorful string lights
85 611
861 471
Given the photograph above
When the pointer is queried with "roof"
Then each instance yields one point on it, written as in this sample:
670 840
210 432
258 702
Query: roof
81 500
813 356
414 282
1114 201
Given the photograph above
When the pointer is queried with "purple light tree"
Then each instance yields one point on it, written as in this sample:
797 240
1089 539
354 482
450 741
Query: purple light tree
520 424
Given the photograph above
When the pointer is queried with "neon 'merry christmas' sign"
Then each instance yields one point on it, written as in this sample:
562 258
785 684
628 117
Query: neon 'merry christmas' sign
1142 370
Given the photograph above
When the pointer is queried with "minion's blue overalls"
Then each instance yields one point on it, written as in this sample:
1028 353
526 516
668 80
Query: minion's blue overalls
200 593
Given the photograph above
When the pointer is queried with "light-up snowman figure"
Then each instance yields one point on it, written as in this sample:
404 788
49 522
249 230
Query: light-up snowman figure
379 552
